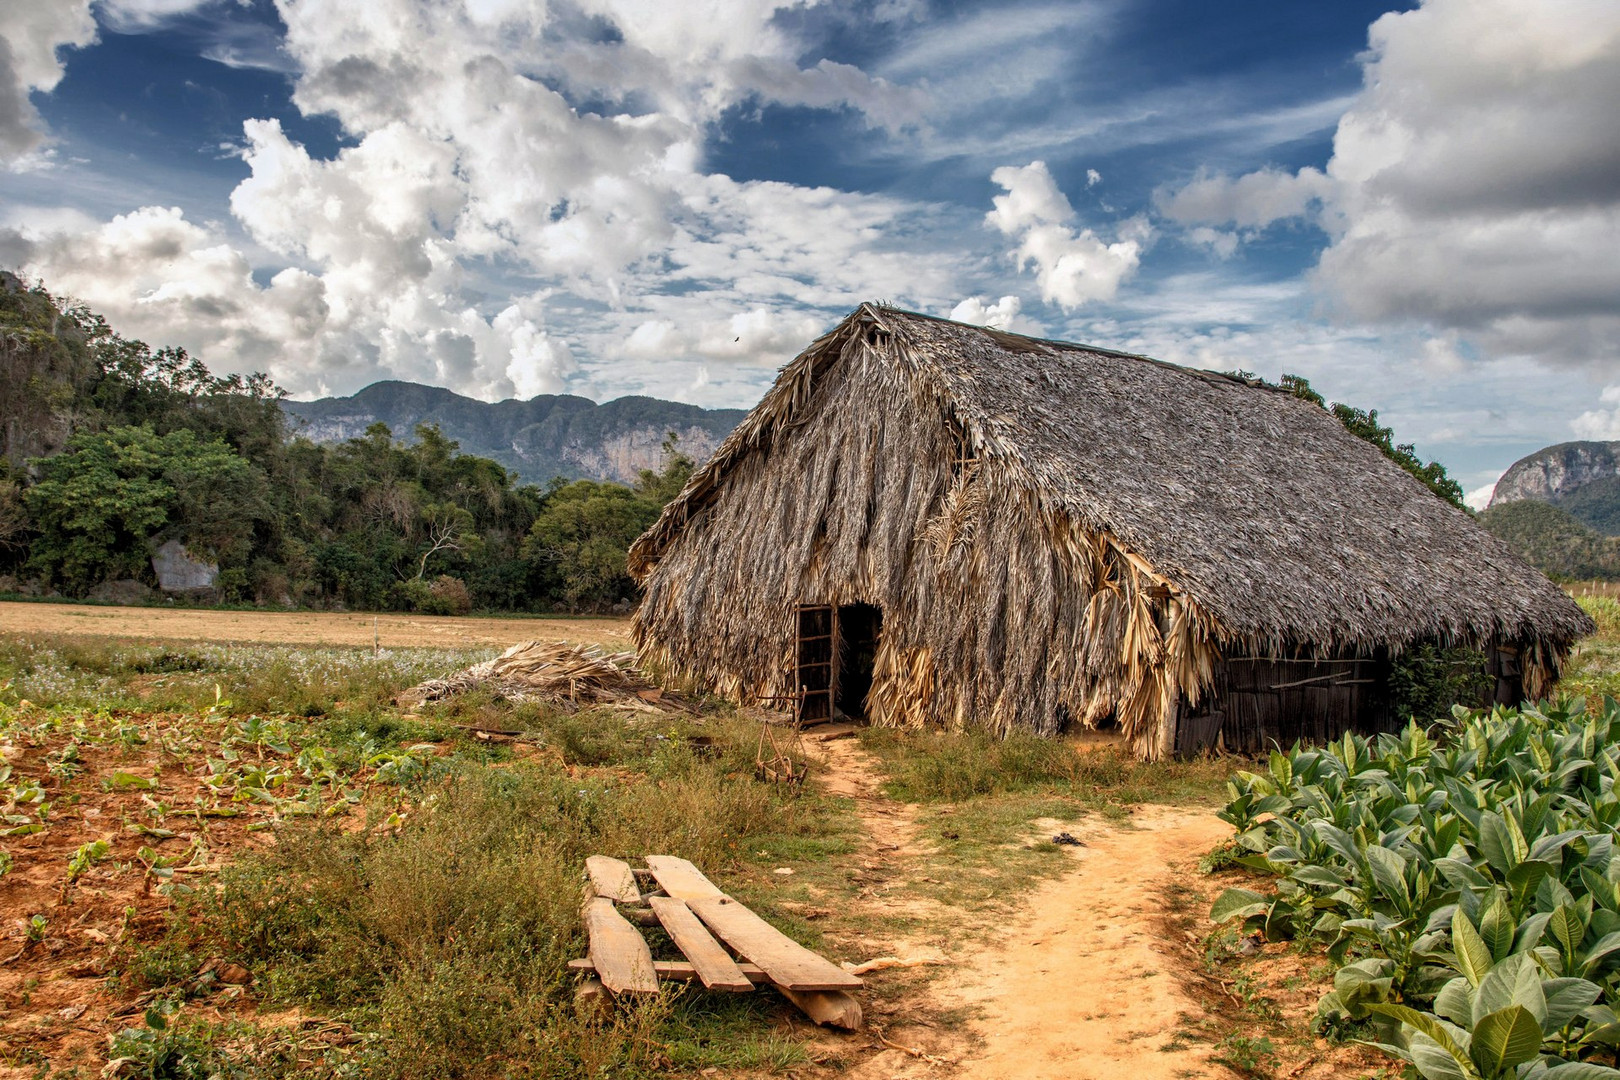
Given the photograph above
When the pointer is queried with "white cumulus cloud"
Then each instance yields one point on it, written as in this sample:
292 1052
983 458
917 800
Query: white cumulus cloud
1006 313
32 33
1602 423
1072 267
1253 200
520 203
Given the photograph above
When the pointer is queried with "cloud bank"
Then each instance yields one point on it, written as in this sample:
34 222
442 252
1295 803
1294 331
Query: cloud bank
1474 185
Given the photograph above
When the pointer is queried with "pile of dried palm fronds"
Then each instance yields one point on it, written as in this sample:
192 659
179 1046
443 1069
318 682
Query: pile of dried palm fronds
551 671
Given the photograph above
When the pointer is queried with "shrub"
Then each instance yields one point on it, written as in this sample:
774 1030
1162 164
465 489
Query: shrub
1426 681
447 596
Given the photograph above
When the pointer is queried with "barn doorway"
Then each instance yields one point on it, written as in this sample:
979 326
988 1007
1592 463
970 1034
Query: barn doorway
835 652
858 628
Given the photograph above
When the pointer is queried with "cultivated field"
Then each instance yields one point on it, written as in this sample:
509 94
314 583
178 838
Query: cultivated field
303 627
243 859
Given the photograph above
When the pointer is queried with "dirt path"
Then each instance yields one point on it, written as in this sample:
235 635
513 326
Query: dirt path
304 627
1079 984
1083 985
849 772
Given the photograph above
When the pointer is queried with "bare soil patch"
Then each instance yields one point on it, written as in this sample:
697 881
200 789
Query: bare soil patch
1081 982
306 627
1084 983
66 927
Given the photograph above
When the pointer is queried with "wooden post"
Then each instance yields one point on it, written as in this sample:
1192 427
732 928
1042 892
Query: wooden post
1169 726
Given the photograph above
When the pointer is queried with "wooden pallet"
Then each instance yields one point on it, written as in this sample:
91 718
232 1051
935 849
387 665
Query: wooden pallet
725 946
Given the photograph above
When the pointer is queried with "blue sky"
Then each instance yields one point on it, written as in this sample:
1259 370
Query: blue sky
1416 207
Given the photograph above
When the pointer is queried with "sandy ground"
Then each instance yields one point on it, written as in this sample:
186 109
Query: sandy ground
1082 983
1083 986
304 628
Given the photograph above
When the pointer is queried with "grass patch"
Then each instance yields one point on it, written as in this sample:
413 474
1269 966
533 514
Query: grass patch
100 673
1593 669
944 766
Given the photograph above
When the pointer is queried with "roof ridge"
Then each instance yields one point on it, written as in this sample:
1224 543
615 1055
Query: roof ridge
885 308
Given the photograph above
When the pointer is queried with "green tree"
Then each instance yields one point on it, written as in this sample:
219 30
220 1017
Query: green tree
579 540
666 483
99 505
581 536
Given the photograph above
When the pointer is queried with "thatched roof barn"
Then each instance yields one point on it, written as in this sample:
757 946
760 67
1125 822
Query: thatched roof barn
928 522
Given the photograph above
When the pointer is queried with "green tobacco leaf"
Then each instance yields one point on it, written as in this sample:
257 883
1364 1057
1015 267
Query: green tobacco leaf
1568 928
1527 876
1496 844
1319 876
1434 1061
1580 1070
1238 904
1496 928
1455 1003
1389 872
1437 1054
1504 1039
128 781
1566 999
1603 948
1282 770
1473 956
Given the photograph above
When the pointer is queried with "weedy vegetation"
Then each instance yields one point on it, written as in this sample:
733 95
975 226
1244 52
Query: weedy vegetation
420 894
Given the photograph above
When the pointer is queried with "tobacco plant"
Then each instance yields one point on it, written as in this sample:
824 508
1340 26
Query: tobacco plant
1463 878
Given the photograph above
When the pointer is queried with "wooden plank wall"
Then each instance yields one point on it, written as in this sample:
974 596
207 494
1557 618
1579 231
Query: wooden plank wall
1261 701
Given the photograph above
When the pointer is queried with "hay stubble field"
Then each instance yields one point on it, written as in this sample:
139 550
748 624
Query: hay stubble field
329 628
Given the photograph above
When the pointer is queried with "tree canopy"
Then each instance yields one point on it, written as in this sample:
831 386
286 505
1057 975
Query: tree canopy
111 448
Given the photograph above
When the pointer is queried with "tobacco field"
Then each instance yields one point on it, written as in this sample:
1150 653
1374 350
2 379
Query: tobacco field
1465 877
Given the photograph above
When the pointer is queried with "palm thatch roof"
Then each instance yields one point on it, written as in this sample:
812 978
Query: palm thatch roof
1256 506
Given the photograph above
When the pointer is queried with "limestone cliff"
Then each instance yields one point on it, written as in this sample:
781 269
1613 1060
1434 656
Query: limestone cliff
1556 471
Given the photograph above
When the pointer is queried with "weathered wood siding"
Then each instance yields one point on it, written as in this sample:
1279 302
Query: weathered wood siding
1261 702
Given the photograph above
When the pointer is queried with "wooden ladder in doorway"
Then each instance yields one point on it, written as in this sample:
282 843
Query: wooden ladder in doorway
814 677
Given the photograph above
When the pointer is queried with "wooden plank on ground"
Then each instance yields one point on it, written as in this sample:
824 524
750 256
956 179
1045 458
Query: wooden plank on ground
680 878
829 1008
618 951
715 967
678 970
789 964
611 878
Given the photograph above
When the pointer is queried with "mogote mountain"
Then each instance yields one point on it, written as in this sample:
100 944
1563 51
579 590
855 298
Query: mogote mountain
1559 508
1582 478
547 436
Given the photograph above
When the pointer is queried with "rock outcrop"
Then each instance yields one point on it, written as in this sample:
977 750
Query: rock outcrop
181 573
1555 472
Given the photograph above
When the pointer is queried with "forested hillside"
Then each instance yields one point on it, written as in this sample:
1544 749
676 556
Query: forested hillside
1554 541
111 450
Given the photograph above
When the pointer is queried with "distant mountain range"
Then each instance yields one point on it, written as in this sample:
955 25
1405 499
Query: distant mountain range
547 436
1560 509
